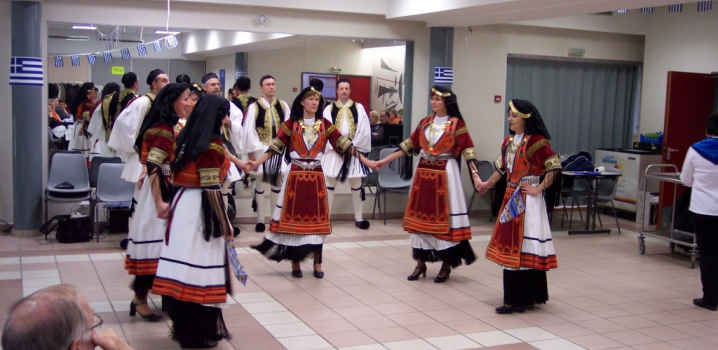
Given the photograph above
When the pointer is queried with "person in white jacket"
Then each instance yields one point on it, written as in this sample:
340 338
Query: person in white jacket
351 120
263 120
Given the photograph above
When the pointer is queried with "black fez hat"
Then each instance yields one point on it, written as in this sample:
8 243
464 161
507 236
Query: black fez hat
153 75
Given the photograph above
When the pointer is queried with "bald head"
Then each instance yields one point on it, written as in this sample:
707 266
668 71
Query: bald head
51 318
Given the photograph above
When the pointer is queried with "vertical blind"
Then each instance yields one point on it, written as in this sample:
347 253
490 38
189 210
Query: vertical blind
585 105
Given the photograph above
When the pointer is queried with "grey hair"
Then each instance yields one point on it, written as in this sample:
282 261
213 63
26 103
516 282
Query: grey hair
47 319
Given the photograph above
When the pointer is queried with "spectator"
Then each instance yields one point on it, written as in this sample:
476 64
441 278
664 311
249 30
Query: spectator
183 78
62 110
377 130
700 172
57 317
393 117
383 117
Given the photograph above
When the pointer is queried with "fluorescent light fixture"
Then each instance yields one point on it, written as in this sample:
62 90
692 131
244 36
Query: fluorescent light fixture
84 26
70 37
166 32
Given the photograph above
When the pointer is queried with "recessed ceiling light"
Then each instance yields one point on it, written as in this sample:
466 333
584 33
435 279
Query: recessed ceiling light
84 26
166 32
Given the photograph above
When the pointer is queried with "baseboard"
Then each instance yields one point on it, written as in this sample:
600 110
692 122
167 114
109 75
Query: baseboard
26 233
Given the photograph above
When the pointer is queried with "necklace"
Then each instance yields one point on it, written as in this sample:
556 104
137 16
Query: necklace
311 132
434 128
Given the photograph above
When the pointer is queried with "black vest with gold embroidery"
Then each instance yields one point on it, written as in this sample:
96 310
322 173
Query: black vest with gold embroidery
266 136
353 109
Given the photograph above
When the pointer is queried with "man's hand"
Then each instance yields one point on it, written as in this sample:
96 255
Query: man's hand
108 340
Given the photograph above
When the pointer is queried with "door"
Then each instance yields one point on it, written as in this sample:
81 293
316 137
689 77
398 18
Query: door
689 101
361 89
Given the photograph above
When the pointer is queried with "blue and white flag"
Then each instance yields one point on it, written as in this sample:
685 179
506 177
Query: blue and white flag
647 10
514 207
171 42
235 263
91 59
675 8
705 6
141 50
444 75
59 61
75 59
125 54
26 71
107 56
157 46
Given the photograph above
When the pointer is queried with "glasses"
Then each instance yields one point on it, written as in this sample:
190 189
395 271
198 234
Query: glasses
97 322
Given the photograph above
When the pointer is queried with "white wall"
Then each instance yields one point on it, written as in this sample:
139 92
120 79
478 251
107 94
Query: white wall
480 71
6 191
685 42
286 65
226 62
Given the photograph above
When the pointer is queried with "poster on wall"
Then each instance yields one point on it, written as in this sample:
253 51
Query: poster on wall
388 72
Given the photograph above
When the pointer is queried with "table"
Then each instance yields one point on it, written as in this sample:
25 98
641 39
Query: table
592 195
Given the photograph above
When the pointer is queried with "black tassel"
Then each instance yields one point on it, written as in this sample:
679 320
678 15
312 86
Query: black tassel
165 188
404 166
272 168
254 203
362 194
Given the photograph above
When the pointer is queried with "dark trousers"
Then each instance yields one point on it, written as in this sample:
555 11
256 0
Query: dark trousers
525 287
706 229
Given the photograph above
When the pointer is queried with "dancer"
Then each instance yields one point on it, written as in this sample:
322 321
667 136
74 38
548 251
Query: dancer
192 274
436 214
351 120
521 242
155 145
300 224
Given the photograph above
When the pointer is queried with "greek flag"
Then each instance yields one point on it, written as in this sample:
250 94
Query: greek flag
514 207
236 264
705 6
107 55
157 46
59 62
75 60
125 54
171 42
26 71
675 8
91 59
141 50
444 75
647 10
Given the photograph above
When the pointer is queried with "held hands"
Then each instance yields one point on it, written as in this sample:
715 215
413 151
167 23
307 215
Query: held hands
252 165
484 187
245 166
477 182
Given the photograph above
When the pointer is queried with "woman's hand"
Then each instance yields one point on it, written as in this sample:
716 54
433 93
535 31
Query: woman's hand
531 190
141 180
163 210
246 168
484 187
477 181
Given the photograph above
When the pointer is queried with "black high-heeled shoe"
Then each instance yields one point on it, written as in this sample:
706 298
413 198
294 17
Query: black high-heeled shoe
442 276
318 274
152 317
418 271
298 272
509 309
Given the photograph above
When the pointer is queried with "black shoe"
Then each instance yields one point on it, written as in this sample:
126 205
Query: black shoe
236 231
318 274
363 225
418 271
508 309
124 243
197 344
442 276
152 317
259 227
297 272
701 303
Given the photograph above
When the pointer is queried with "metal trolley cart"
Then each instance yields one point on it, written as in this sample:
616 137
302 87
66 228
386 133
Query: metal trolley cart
669 174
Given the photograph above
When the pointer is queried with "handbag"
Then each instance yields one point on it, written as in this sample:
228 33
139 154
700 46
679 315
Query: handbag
68 229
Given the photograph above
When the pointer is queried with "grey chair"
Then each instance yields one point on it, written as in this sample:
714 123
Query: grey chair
111 188
372 179
577 194
486 169
388 180
95 167
67 167
606 193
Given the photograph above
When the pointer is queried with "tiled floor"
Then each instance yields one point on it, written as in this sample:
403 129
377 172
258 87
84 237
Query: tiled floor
604 295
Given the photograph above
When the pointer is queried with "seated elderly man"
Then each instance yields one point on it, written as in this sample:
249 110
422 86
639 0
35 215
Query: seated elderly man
56 317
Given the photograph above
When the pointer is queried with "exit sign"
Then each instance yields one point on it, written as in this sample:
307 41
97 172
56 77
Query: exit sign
576 52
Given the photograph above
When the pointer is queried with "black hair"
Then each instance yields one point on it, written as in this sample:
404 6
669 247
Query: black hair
712 125
317 84
208 76
129 80
451 102
243 83
183 78
534 124
162 111
110 88
196 89
297 108
153 76
262 79
81 96
203 126
344 80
